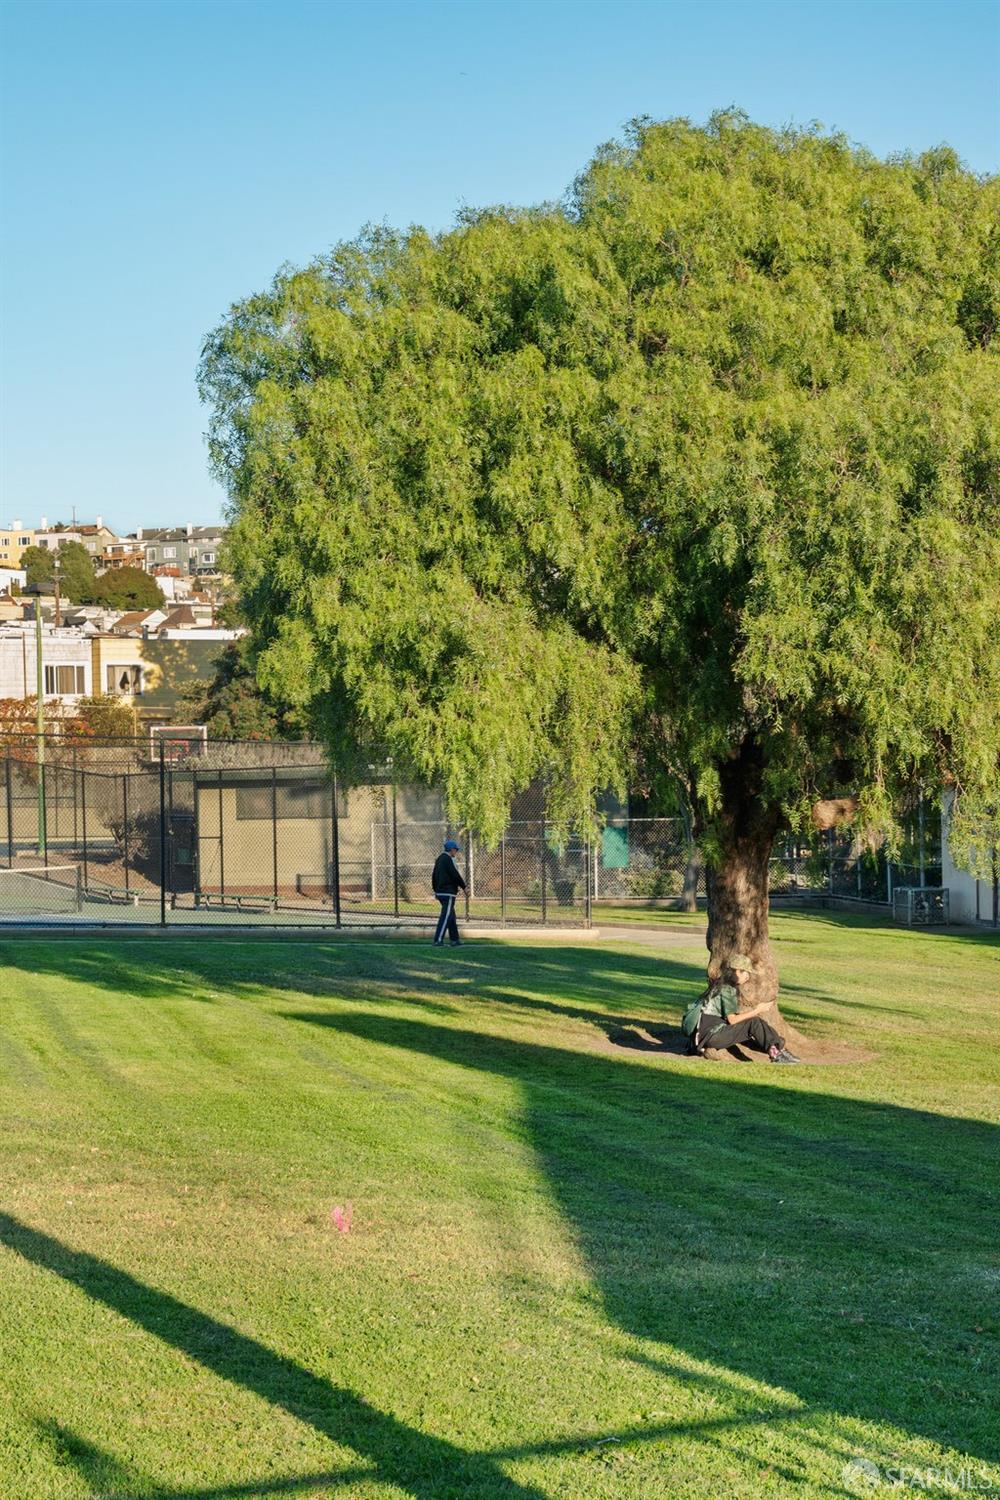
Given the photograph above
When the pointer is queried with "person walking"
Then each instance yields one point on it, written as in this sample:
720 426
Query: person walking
446 883
718 1020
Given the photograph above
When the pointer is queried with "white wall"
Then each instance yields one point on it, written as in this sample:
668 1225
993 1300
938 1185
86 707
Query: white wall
963 886
64 647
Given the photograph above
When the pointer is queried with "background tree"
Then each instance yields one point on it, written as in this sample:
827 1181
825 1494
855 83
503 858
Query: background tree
101 716
234 707
701 467
76 570
126 588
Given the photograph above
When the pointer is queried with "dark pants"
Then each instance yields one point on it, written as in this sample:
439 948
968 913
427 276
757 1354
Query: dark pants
447 920
751 1033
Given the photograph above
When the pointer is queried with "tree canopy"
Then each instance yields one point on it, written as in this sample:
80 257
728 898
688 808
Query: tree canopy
76 570
126 588
699 468
233 706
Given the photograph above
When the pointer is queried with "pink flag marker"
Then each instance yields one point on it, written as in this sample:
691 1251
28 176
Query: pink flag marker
342 1216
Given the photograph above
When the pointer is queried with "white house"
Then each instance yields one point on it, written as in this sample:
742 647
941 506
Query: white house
66 662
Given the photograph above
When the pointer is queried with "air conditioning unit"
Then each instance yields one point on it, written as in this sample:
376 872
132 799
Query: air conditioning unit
920 905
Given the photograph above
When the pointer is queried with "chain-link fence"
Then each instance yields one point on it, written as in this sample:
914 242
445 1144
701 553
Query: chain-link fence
184 831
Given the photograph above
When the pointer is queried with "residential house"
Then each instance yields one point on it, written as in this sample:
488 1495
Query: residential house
193 550
51 538
96 538
152 672
137 621
119 555
66 662
14 540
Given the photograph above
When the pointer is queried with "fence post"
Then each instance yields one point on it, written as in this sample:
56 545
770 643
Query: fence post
10 818
222 847
829 860
125 824
588 894
395 853
544 862
336 853
83 820
274 831
503 879
163 838
921 835
43 803
75 829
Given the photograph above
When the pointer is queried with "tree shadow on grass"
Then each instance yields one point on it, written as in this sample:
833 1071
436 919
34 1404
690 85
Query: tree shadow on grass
425 1466
807 1241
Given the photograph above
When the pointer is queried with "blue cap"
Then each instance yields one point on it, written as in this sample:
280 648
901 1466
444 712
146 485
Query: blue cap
450 844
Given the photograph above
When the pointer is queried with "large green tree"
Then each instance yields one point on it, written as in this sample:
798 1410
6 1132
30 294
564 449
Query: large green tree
76 569
126 588
699 467
234 707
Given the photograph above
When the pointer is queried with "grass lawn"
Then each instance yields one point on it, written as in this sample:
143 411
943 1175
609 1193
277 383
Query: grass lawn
575 1270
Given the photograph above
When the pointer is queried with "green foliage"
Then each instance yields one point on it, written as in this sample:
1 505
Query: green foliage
127 588
76 570
702 463
102 716
234 707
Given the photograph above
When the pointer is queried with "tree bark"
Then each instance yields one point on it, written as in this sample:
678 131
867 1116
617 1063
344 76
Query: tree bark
737 879
689 890
692 868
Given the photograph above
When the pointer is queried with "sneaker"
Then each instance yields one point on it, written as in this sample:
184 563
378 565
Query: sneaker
456 945
784 1056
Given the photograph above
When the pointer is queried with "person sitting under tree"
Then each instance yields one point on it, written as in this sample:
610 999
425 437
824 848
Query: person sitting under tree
716 1020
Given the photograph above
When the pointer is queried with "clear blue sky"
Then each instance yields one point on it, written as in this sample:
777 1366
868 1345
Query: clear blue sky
160 161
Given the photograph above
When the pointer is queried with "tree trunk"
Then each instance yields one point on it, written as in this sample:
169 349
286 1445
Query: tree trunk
692 868
737 879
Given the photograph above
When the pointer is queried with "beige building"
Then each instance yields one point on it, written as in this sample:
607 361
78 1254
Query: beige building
151 674
14 540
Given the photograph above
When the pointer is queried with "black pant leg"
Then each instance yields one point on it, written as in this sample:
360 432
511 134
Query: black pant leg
453 923
443 919
762 1035
752 1033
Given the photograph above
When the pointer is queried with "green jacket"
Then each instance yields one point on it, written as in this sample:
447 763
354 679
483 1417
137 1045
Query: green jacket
720 1000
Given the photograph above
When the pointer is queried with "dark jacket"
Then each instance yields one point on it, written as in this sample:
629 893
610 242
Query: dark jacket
446 881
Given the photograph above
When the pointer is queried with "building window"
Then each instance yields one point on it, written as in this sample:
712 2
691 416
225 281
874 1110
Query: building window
64 682
24 541
125 679
170 551
208 557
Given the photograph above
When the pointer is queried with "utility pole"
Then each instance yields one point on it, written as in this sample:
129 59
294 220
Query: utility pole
55 573
40 725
